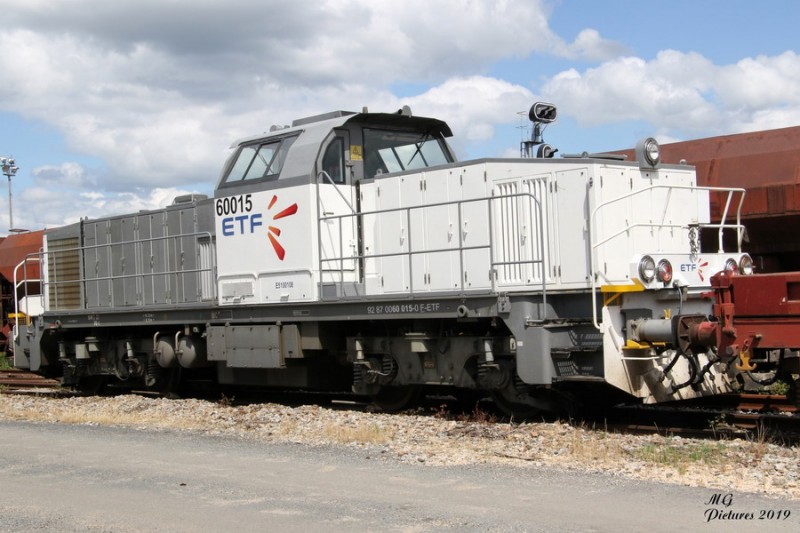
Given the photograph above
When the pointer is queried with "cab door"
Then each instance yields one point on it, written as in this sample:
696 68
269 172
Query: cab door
338 243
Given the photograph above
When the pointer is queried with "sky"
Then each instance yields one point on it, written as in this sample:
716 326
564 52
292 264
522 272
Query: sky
113 107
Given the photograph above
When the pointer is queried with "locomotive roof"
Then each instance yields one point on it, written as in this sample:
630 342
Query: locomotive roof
319 126
313 131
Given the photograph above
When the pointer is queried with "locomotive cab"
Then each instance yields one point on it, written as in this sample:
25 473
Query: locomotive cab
274 188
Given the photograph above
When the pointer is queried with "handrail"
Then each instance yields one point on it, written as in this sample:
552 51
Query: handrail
460 248
24 265
323 175
722 226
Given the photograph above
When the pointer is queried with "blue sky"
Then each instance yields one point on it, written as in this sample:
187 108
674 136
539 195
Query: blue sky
112 107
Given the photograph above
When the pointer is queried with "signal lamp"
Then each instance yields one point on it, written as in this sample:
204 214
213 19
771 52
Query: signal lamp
647 269
664 271
648 153
543 112
746 265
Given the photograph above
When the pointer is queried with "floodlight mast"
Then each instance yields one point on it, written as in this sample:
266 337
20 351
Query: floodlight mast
9 171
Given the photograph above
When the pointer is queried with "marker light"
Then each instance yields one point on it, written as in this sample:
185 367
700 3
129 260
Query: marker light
746 265
664 271
647 269
731 266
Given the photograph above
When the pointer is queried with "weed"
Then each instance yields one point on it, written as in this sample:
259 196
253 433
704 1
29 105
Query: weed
683 455
442 412
5 363
479 416
780 388
224 401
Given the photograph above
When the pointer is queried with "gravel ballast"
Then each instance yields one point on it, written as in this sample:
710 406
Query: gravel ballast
755 465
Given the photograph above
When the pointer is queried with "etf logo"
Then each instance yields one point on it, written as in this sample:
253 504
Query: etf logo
275 232
695 267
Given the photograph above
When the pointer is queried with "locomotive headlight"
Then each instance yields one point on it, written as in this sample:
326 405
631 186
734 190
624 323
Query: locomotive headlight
746 265
664 271
731 266
647 269
648 153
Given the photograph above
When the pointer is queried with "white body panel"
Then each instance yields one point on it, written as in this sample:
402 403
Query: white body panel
266 254
486 226
508 226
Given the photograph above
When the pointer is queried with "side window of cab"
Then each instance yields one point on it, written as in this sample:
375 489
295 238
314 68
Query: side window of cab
333 161
260 161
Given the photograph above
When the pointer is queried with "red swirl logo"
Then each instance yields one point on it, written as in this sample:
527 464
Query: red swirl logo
275 232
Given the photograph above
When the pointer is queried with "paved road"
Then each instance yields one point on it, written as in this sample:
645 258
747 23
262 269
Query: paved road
81 478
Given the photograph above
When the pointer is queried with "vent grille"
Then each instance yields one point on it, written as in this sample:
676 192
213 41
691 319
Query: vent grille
509 234
63 274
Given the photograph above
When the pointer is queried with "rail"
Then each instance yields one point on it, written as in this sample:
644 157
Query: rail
722 226
535 219
175 280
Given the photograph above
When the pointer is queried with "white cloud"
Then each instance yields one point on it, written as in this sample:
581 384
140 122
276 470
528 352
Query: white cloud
53 209
157 90
683 92
65 175
589 45
473 106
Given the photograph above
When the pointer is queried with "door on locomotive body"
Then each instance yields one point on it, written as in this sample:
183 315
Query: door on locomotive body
337 207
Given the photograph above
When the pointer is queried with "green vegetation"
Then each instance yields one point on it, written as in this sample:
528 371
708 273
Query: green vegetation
683 455
780 387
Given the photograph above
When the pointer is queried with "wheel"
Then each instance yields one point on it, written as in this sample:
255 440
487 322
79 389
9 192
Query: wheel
392 399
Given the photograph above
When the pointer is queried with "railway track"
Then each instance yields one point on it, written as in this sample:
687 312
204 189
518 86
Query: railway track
735 415
743 415
16 381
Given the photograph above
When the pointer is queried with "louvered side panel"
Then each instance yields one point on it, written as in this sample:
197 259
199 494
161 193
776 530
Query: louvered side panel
507 234
63 274
537 239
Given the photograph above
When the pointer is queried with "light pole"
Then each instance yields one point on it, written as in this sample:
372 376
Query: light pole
9 170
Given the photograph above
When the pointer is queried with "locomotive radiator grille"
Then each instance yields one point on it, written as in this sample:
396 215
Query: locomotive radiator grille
63 274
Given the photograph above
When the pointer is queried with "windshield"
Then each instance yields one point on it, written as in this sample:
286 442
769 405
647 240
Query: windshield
395 151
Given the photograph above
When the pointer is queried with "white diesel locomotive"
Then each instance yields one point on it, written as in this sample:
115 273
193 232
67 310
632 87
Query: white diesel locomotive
351 251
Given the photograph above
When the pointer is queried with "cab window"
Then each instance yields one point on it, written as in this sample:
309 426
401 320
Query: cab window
258 161
395 151
333 160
